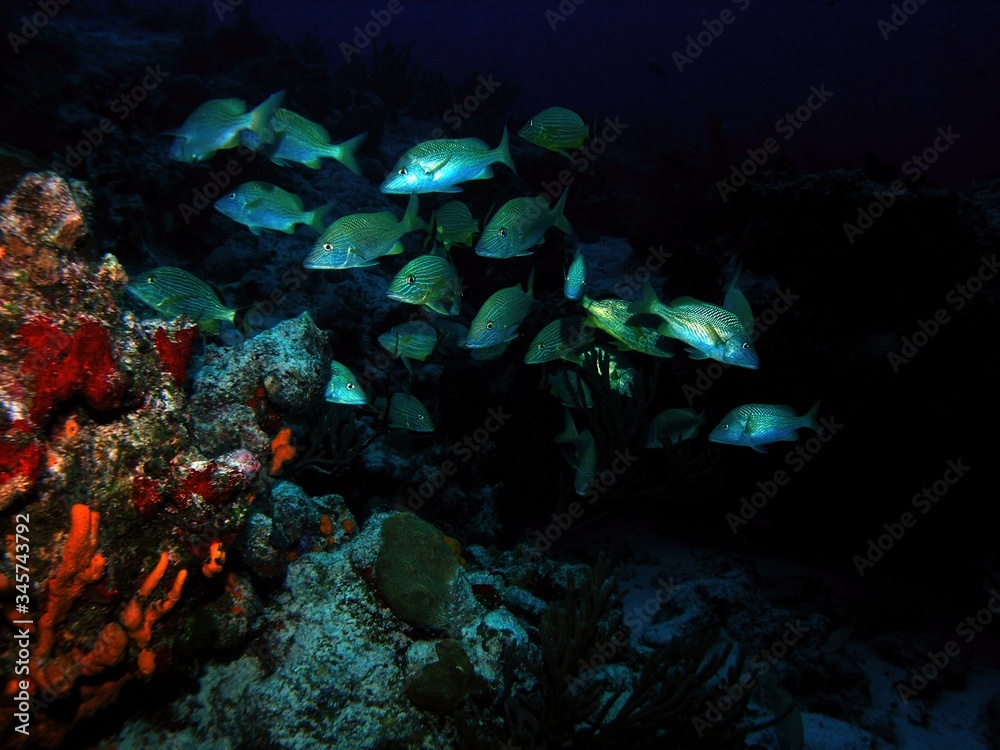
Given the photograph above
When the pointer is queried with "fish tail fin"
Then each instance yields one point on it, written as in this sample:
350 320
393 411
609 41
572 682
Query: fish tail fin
811 417
317 217
344 152
411 221
650 302
561 221
260 118
502 152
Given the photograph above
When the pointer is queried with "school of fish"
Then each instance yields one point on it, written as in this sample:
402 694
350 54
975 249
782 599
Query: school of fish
430 281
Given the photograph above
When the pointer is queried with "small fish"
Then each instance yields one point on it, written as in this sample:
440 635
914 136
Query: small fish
634 331
174 292
585 454
556 129
521 224
437 166
576 277
454 225
570 388
305 142
406 412
673 426
217 125
710 331
500 316
359 240
756 425
413 340
560 339
343 387
261 205
428 280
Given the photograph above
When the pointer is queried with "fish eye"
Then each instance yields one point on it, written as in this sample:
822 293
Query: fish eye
149 279
232 196
350 386
411 279
489 326
746 345
725 427
402 172
503 232
328 247
541 345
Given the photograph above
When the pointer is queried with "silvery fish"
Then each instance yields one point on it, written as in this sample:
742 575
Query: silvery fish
556 129
756 425
305 142
413 340
576 277
673 426
570 388
359 240
710 331
560 339
632 330
519 225
437 166
261 205
428 280
454 225
406 412
584 454
343 387
500 316
217 125
174 292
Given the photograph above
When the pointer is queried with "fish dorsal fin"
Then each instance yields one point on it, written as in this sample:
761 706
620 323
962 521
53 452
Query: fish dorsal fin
738 305
684 302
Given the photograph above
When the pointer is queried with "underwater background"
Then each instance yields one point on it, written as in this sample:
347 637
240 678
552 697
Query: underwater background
684 440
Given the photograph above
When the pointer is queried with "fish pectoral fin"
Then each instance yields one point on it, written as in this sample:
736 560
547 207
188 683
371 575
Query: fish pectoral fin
759 448
254 228
696 353
436 166
451 189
